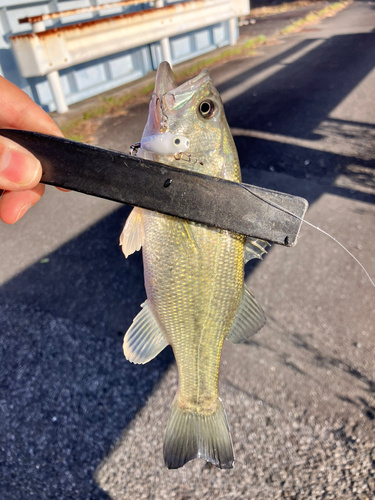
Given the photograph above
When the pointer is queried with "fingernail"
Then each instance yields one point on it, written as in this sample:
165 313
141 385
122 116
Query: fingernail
23 210
18 168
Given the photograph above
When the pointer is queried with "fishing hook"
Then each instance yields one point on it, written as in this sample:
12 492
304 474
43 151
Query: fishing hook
133 151
188 158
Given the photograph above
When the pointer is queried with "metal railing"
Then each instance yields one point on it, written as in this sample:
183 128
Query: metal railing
45 52
83 10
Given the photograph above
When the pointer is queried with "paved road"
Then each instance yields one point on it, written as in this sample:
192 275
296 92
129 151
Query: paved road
301 398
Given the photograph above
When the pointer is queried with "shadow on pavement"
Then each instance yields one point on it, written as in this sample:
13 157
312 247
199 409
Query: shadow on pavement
318 81
322 360
66 390
294 103
296 100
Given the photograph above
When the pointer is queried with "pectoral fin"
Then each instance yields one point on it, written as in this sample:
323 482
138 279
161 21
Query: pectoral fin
255 248
131 236
249 320
144 339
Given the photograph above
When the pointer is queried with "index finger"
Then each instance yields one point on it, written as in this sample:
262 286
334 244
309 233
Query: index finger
19 111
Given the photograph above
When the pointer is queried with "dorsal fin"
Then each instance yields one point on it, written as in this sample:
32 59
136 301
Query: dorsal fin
255 248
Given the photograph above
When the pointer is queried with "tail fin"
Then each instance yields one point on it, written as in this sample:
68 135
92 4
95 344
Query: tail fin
193 435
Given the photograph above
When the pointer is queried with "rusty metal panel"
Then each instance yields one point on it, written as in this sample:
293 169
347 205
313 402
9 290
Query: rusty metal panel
117 65
79 11
40 53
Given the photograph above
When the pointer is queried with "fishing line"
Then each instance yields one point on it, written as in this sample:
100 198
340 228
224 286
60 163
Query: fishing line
279 207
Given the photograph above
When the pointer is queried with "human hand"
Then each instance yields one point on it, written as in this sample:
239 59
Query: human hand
20 171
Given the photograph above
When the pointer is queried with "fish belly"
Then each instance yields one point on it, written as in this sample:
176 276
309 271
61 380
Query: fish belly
194 278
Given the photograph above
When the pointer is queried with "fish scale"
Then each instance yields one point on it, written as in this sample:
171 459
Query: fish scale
194 275
189 296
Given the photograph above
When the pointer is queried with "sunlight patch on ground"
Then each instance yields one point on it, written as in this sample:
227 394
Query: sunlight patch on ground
261 76
337 137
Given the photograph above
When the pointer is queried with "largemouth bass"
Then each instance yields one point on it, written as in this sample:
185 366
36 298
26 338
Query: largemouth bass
194 275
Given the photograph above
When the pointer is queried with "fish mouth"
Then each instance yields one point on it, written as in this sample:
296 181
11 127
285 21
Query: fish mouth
156 137
167 96
165 80
164 83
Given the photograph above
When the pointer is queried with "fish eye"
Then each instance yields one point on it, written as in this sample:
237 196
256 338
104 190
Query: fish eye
207 109
177 141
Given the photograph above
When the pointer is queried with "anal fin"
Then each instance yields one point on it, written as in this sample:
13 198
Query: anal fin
249 320
144 339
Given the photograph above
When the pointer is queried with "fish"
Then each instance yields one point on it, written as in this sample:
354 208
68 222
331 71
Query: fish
194 274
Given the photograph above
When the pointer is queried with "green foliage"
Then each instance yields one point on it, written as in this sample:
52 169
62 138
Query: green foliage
314 17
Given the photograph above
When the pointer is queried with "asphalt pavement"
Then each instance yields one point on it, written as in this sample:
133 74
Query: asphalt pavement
79 422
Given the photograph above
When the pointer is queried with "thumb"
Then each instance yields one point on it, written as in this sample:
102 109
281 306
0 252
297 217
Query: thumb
19 169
